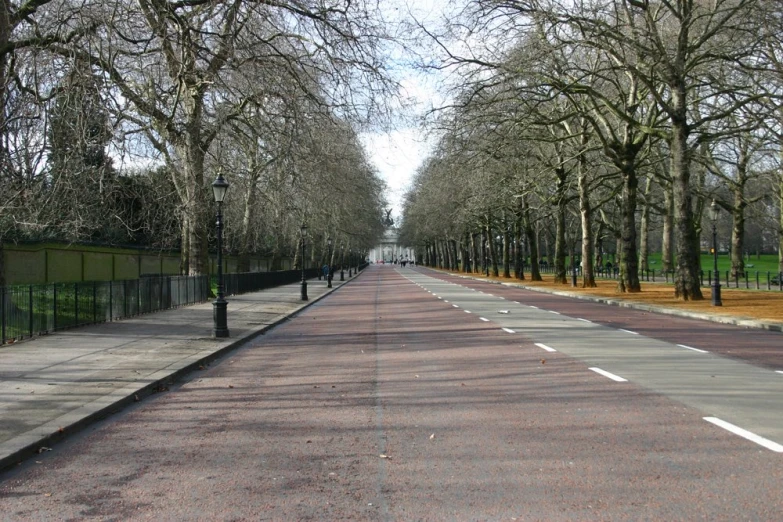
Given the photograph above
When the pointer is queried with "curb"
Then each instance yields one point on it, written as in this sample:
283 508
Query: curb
721 319
57 430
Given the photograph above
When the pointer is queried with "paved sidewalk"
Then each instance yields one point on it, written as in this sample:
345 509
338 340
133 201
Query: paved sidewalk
57 384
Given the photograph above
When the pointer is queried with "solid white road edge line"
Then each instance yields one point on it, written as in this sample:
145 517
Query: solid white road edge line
531 306
509 330
692 348
610 375
553 312
628 331
545 347
736 430
583 320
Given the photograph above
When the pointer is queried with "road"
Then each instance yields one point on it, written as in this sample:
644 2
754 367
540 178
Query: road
407 396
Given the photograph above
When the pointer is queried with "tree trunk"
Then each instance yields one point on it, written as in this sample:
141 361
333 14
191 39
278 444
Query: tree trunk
644 229
667 252
532 240
629 264
506 251
738 235
585 213
519 251
492 251
687 282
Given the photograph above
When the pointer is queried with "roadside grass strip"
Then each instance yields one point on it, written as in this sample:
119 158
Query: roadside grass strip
692 348
609 375
545 347
736 430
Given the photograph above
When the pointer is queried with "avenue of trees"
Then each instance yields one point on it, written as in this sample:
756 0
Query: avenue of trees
119 114
582 127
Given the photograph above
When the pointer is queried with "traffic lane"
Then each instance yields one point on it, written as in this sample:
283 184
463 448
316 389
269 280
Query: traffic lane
579 446
472 423
753 345
745 395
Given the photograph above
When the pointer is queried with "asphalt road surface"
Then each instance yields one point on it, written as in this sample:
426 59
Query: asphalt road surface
407 395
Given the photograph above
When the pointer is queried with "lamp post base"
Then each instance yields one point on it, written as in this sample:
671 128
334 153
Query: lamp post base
716 295
342 275
304 290
329 281
220 318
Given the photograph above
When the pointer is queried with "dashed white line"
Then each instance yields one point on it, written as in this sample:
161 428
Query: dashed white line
583 320
628 331
440 298
531 306
455 306
484 319
516 302
509 330
545 347
553 312
692 348
736 430
445 300
468 312
778 371
609 375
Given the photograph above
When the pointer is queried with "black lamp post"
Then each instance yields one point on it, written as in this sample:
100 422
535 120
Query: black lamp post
342 262
486 257
219 305
350 259
303 228
714 211
329 264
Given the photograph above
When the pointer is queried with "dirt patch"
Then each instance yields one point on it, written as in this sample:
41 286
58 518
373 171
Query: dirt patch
765 305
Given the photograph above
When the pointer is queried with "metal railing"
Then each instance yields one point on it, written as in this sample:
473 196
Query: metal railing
31 310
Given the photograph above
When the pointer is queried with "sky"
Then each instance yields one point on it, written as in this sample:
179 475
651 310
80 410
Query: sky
397 153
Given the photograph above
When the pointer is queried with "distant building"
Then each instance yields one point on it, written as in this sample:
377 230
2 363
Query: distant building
390 250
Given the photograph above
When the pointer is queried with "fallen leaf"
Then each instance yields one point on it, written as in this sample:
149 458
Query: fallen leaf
136 398
417 376
384 456
47 494
432 437
230 385
61 430
543 361
43 449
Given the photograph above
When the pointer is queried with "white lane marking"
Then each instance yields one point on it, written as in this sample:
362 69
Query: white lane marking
490 295
468 312
455 306
778 371
440 298
628 331
610 375
509 330
445 300
583 320
553 312
736 430
516 302
531 306
692 348
545 347
484 319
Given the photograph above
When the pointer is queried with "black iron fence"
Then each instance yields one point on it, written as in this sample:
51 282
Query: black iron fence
39 309
31 310
749 280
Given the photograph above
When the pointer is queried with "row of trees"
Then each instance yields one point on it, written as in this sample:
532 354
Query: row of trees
604 119
117 116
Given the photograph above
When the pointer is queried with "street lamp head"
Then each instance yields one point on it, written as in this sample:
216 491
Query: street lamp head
303 228
219 188
714 211
329 241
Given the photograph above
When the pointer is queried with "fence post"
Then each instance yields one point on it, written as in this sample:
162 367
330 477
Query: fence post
111 300
31 310
2 315
54 305
94 303
76 304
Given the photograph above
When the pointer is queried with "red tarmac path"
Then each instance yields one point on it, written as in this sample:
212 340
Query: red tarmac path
382 403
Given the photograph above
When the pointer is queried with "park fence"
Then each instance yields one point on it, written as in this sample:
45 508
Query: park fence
30 310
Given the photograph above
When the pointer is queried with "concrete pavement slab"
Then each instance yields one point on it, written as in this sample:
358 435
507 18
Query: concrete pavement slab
54 385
